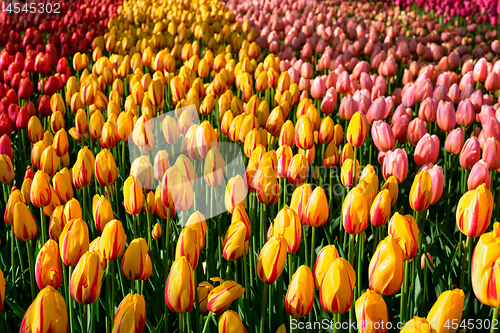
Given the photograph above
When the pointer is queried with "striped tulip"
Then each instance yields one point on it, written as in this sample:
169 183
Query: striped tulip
355 211
287 223
112 242
300 198
102 212
336 290
317 208
204 289
447 309
421 191
404 229
221 297
234 242
47 313
381 208
133 195
131 313
25 228
73 241
230 322
235 193
323 262
485 268
105 168
14 197
48 266
298 170
240 215
272 258
72 210
214 167
83 169
346 173
304 136
284 155
474 211
300 294
386 267
40 194
179 289
371 310
357 130
86 281
392 185
63 187
134 259
188 246
56 224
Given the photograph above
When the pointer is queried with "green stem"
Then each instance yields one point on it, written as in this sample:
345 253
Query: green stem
375 240
70 303
207 320
263 307
29 248
313 251
361 245
465 261
42 226
12 241
306 251
148 218
351 249
494 321
404 295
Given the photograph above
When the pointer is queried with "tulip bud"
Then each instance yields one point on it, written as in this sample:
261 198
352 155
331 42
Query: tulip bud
448 308
347 177
156 232
86 280
48 266
179 289
300 294
381 208
204 289
372 311
304 136
46 313
404 229
25 228
421 191
83 169
272 258
132 309
298 170
336 290
134 259
480 174
133 194
474 211
105 168
14 197
317 208
35 129
234 242
300 198
357 130
73 241
235 193
287 223
221 297
188 246
386 267
60 143
214 168
355 211
287 134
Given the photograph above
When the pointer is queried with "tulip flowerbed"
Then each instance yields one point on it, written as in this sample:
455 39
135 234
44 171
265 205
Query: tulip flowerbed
250 166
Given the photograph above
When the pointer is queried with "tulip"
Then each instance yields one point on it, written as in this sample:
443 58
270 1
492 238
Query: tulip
143 172
56 223
448 308
272 258
372 310
275 121
72 210
386 267
134 259
326 130
300 294
188 246
355 211
40 194
14 197
73 241
474 211
47 313
214 168
479 174
230 322
421 191
124 126
395 164
491 153
346 173
221 297
83 168
437 178
427 150
35 129
336 290
48 266
132 309
133 194
416 130
454 141
25 228
60 143
287 223
470 154
304 136
357 130
323 262
382 135
86 280
234 242
102 212
287 134
112 242
105 168
298 170
204 289
404 229
446 118
381 208
156 232
465 113
317 208
300 198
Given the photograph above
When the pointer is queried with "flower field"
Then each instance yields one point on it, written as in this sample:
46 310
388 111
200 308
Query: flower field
249 166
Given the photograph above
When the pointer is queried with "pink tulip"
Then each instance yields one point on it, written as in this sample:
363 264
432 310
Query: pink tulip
465 113
480 71
416 130
477 100
395 164
400 128
427 150
377 110
329 102
454 94
446 117
454 141
437 178
408 98
428 110
343 83
306 70
382 136
491 153
318 88
492 82
470 154
480 174
348 108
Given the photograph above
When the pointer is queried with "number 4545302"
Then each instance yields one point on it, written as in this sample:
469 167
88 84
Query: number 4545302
472 324
41 8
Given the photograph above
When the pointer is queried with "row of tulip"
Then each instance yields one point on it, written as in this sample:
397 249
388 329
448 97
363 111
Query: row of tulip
309 100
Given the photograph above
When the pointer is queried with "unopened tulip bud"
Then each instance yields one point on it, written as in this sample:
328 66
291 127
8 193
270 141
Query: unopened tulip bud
179 289
336 290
